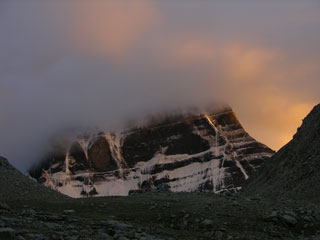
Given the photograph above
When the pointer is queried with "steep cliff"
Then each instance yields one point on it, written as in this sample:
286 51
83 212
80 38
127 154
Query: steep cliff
194 152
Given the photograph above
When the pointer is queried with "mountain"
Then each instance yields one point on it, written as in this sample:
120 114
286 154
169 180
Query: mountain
183 153
294 171
15 186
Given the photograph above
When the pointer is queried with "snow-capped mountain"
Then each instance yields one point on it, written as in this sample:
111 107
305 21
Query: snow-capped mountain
207 151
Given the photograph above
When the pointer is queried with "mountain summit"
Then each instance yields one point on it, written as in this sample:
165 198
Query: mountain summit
185 153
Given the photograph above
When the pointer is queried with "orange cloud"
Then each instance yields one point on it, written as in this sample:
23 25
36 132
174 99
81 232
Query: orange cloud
247 64
280 117
269 113
255 80
109 28
192 51
251 77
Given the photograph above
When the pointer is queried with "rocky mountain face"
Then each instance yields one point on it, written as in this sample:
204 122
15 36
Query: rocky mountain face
193 152
293 172
288 209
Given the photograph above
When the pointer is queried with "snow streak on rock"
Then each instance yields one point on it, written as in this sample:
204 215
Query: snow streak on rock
203 152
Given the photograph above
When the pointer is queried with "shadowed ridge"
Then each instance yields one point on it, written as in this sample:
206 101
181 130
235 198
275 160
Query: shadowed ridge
15 186
294 171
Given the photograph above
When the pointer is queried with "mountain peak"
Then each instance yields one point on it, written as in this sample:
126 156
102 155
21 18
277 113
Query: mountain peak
185 152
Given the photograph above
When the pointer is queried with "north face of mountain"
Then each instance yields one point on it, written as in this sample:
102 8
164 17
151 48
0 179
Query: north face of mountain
193 152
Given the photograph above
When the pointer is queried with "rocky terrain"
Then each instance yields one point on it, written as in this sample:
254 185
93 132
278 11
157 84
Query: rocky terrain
14 185
184 153
166 216
294 171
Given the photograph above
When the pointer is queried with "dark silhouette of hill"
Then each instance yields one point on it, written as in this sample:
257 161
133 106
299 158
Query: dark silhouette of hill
294 171
16 186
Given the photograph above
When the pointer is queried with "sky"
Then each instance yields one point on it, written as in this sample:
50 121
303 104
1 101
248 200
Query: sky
100 63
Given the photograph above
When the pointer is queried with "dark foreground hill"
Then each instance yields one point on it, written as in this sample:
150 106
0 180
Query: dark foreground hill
15 186
294 171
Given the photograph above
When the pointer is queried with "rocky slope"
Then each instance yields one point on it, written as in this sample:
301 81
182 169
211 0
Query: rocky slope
15 186
193 152
294 171
163 216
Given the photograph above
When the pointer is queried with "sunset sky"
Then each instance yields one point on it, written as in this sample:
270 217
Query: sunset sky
93 62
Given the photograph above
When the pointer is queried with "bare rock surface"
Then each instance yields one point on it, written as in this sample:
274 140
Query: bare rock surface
163 216
185 153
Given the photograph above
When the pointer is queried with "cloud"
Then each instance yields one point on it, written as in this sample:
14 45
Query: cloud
109 28
263 84
99 63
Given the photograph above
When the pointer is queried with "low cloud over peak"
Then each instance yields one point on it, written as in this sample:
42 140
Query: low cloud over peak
67 63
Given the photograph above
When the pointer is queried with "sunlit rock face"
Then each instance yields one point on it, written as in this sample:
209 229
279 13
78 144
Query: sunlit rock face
195 152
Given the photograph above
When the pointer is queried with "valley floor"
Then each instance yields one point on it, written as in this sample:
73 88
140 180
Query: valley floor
160 216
